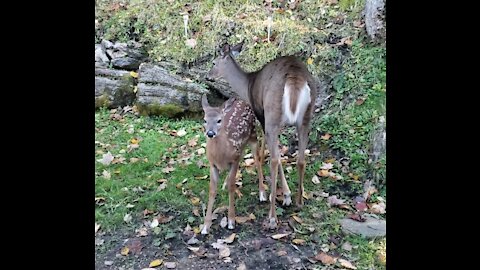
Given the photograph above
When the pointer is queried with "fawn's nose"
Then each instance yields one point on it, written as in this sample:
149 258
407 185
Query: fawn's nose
210 133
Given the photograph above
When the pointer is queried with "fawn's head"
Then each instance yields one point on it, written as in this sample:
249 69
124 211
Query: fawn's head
214 116
224 59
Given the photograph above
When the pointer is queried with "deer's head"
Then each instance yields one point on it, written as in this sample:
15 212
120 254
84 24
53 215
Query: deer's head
224 60
213 119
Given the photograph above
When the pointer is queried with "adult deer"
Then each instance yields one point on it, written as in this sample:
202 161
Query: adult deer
229 129
282 93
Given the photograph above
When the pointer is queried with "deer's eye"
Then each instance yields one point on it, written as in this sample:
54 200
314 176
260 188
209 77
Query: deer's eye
219 120
204 121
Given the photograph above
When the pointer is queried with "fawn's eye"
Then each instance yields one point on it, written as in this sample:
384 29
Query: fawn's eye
204 121
219 120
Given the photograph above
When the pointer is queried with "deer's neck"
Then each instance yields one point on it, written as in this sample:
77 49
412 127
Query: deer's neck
238 80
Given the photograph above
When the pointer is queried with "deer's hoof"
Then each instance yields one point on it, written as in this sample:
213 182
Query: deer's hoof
205 229
287 199
263 197
272 223
299 202
231 224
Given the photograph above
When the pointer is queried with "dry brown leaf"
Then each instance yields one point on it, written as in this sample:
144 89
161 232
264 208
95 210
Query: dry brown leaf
156 263
134 159
162 186
106 174
378 208
168 169
324 173
224 252
298 241
163 219
230 239
326 136
252 216
147 212
280 235
106 159
325 258
195 201
201 177
347 264
298 219
333 200
239 193
281 253
127 218
124 251
193 142
194 249
191 42
241 220
195 211
181 133
154 223
327 166
201 151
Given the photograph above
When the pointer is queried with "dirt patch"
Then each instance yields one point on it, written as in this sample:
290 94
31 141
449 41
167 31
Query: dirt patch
253 247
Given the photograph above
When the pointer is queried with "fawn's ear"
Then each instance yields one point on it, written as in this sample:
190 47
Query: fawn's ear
205 102
227 105
225 50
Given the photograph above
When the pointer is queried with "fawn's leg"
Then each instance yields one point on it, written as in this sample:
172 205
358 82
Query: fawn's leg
231 194
211 198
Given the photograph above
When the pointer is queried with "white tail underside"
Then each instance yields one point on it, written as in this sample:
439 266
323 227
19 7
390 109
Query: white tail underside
303 100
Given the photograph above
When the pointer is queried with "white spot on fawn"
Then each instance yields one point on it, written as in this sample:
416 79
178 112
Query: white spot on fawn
303 100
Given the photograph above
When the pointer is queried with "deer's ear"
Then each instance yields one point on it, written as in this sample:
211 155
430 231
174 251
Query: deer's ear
235 50
228 104
205 102
225 50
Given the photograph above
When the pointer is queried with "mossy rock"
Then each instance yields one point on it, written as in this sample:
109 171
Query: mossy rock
169 110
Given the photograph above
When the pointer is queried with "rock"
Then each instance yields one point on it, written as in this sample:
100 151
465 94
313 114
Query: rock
113 88
372 227
127 56
160 92
101 59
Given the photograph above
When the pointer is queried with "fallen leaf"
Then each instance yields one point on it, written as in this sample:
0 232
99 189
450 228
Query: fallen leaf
106 159
163 219
207 18
298 241
281 253
162 186
298 219
108 263
99 242
134 141
326 166
357 217
224 252
324 173
223 222
127 218
347 246
242 16
201 151
249 162
309 61
361 206
154 223
193 142
326 136
192 241
99 200
346 264
196 230
315 180
360 101
195 201
378 208
106 174
168 169
368 189
194 249
252 216
278 236
134 160
124 251
147 212
142 232
239 193
201 177
129 205
195 211
230 239
132 147
241 220
156 263
170 235
325 259
134 74
97 227
191 42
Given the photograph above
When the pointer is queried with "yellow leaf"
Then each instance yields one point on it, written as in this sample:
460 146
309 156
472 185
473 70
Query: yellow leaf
298 241
332 160
297 219
133 74
124 251
201 177
310 61
252 216
242 219
156 263
196 230
324 173
195 201
280 235
134 141
347 264
135 89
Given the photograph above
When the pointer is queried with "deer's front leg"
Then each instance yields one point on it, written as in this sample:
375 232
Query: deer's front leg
231 194
211 198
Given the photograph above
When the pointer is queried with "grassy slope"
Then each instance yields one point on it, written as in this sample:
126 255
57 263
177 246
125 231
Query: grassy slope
350 72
